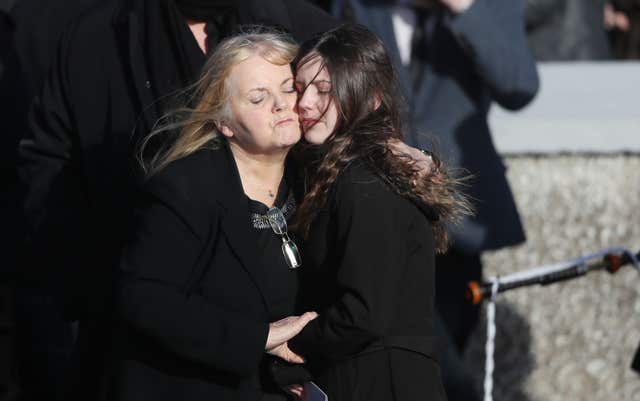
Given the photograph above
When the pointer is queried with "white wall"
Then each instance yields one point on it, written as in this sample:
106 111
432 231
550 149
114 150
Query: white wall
581 107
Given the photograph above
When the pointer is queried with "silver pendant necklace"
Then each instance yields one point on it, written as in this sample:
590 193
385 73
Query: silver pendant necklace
261 221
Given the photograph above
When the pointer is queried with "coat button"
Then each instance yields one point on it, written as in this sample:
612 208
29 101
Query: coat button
147 84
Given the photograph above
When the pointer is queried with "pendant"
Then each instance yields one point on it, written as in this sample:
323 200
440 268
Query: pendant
291 254
277 220
289 249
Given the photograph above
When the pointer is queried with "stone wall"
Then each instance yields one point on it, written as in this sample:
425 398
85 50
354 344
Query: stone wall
572 340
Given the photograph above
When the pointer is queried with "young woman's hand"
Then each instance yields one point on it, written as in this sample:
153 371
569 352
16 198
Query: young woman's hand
424 163
283 352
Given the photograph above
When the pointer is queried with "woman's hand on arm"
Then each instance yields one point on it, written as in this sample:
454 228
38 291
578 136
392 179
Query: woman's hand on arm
422 160
282 331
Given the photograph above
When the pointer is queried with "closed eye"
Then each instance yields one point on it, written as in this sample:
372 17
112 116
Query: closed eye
323 86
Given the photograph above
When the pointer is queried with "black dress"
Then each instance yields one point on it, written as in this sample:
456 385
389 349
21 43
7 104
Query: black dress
369 266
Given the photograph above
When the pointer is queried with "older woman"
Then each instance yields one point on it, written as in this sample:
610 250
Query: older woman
372 230
204 272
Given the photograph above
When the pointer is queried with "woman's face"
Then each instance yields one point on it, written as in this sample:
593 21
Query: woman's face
317 110
262 107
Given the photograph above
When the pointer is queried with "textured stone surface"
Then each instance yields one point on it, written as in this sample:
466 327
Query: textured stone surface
572 340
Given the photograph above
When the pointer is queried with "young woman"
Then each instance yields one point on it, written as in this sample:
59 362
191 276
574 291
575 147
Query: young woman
371 228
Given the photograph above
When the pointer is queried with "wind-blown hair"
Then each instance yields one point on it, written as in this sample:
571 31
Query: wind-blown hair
192 125
366 93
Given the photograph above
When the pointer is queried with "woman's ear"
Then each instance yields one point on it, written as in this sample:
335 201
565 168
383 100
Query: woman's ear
224 129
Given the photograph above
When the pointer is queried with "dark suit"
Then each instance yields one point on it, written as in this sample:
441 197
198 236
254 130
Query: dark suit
368 271
192 302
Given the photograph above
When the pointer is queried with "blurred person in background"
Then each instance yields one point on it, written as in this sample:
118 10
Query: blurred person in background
111 73
12 103
622 20
560 30
43 338
455 58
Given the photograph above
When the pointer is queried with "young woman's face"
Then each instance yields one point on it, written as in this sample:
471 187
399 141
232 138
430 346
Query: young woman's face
262 107
317 110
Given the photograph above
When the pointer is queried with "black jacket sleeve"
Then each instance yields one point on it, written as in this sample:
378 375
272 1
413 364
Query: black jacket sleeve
157 264
50 170
371 252
492 32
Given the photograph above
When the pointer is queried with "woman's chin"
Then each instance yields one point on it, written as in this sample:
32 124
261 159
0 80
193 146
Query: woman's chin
288 140
314 137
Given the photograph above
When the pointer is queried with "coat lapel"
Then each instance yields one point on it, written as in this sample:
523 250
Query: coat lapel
235 223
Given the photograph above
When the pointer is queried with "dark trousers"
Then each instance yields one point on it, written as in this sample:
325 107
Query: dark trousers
44 344
456 320
453 271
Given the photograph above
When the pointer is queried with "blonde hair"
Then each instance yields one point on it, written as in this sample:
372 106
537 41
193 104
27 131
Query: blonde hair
195 127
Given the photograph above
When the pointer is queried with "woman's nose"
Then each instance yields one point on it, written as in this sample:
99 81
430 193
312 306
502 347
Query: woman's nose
305 100
280 103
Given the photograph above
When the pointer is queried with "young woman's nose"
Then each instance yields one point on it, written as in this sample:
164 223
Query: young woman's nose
306 99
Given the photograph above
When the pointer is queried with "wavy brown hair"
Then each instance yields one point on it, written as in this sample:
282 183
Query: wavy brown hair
366 93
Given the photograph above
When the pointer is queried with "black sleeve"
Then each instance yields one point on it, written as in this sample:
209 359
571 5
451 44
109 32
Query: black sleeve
371 252
14 107
156 266
492 33
55 205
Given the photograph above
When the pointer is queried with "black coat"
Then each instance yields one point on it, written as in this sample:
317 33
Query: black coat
26 50
193 307
77 156
368 271
13 103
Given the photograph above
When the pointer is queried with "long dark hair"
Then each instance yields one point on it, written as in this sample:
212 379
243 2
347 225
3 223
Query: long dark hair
368 99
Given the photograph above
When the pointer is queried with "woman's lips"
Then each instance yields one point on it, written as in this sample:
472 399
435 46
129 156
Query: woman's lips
285 121
308 122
